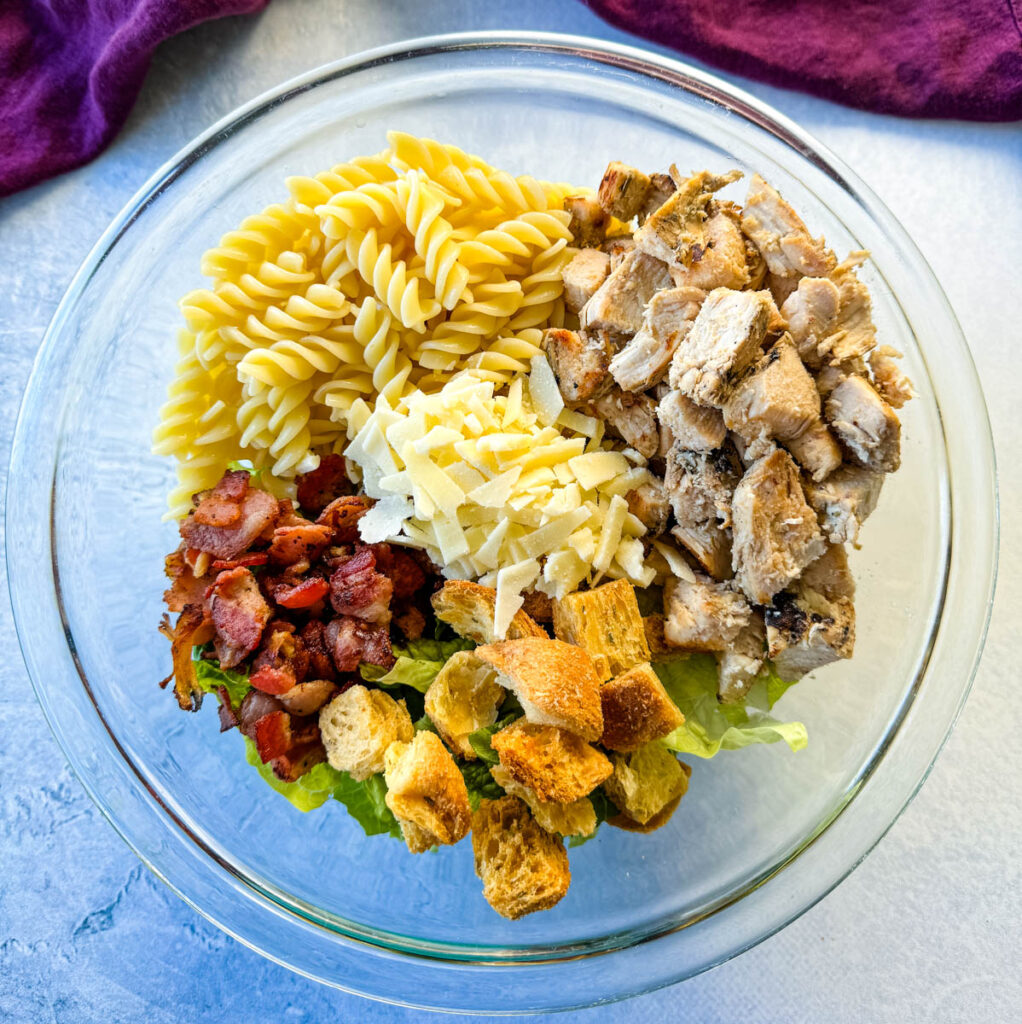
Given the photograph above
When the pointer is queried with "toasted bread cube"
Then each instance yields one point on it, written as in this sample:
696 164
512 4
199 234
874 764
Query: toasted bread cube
585 273
703 615
605 621
558 766
637 710
358 726
426 791
622 821
556 683
575 819
523 867
468 609
588 221
645 781
463 697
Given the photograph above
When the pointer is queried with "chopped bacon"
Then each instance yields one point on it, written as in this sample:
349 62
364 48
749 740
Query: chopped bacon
282 660
271 680
352 641
411 622
256 558
254 706
185 588
222 505
273 735
198 561
192 629
313 637
259 511
239 613
330 480
301 595
400 568
299 543
357 589
342 516
290 767
228 718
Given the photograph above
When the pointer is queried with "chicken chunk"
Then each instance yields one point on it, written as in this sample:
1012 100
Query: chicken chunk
892 385
617 249
585 273
661 188
588 221
633 418
668 318
650 505
775 532
810 310
726 337
865 425
699 428
816 451
844 501
619 303
580 361
623 190
703 615
781 235
676 232
738 666
720 262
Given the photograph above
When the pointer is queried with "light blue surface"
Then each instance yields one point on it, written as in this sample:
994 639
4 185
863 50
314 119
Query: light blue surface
927 929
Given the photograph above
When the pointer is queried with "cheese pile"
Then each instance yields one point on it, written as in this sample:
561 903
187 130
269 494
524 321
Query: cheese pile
511 489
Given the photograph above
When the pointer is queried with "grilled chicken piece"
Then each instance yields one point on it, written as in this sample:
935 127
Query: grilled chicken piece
661 188
699 428
668 318
724 339
588 221
738 666
721 261
893 386
775 533
617 249
620 301
810 310
781 235
710 545
623 190
703 615
865 425
844 501
633 418
813 624
779 287
585 273
580 361
650 505
676 232
816 451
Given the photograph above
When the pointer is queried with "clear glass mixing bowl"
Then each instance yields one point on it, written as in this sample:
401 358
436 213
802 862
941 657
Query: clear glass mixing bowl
763 833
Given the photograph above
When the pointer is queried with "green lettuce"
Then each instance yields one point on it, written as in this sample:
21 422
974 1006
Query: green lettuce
604 808
211 676
479 740
711 726
479 783
417 663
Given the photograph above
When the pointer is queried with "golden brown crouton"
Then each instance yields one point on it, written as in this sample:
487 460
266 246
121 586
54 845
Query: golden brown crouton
574 819
358 725
636 710
588 221
426 790
468 609
556 683
523 867
623 190
605 621
463 697
558 766
645 781
661 818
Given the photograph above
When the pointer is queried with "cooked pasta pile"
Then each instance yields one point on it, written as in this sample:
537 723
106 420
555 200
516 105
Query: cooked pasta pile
383 275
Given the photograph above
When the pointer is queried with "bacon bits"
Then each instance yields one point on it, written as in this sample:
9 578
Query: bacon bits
239 613
352 641
342 516
258 511
302 595
303 543
330 480
357 589
273 735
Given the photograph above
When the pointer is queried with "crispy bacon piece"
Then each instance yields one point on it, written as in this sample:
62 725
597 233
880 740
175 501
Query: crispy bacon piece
352 641
256 558
411 622
222 505
239 613
357 589
228 718
273 735
185 587
342 516
302 595
313 637
330 480
290 767
192 629
400 568
272 680
259 511
282 660
303 542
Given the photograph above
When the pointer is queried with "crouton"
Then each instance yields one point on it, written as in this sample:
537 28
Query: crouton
619 303
605 621
632 418
703 615
556 683
523 867
697 428
588 221
358 725
623 190
538 606
558 766
636 710
425 790
585 273
661 818
575 819
865 425
844 500
468 609
580 361
464 696
738 666
645 781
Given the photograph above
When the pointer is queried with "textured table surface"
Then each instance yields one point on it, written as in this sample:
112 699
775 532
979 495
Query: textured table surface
927 929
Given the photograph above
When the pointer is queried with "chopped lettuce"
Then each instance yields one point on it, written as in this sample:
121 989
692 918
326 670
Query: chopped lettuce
711 726
480 739
417 663
211 677
479 782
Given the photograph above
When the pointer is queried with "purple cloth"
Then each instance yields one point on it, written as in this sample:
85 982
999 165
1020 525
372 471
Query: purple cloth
70 71
917 58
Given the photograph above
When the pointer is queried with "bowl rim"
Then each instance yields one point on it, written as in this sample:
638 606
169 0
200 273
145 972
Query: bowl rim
649 64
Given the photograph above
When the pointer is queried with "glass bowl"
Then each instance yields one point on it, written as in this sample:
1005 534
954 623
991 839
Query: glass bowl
763 833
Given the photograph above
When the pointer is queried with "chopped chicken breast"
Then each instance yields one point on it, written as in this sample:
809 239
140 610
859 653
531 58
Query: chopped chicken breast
865 425
619 303
585 273
699 428
779 287
775 533
738 666
725 338
661 188
617 249
720 262
668 318
894 387
709 544
703 615
623 190
588 221
580 361
633 418
816 451
844 501
650 505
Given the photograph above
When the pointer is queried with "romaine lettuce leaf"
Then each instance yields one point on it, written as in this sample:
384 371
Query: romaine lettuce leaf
711 726
480 739
211 676
417 663
479 782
